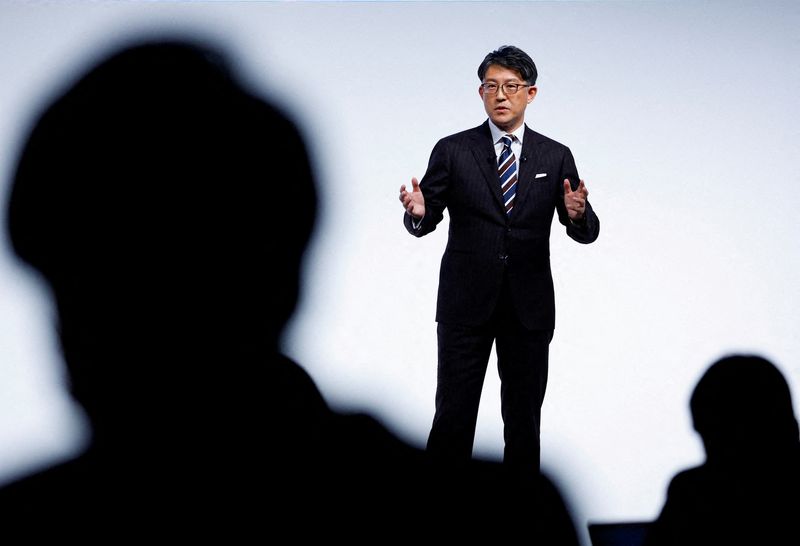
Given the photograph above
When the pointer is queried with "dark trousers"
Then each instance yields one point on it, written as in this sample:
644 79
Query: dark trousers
522 362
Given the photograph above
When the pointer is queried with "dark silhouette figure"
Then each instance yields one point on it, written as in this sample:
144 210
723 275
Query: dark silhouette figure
154 196
748 490
169 209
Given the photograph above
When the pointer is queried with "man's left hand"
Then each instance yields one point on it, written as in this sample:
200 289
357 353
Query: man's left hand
575 201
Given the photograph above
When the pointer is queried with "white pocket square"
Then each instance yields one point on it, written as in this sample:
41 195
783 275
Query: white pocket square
540 175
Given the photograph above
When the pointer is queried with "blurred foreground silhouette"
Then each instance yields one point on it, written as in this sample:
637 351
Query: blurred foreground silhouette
168 208
748 489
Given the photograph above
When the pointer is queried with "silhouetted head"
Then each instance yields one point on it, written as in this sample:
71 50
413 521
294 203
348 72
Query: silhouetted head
742 408
169 209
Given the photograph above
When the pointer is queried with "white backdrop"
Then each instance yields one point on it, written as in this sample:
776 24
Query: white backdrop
682 117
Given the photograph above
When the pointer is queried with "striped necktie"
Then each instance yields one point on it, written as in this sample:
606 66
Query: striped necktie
507 170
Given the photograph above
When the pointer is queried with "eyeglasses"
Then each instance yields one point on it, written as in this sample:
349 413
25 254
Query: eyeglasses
507 88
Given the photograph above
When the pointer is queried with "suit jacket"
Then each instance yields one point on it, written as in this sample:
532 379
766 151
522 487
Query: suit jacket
485 245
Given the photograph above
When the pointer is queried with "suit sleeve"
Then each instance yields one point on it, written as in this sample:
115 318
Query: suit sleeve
434 186
587 230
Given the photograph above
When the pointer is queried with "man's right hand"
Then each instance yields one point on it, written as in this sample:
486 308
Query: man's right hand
413 202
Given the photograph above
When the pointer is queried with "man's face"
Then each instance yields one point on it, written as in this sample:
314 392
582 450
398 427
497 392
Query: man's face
505 110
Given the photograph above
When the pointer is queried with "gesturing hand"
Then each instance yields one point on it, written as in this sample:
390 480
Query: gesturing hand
575 201
413 202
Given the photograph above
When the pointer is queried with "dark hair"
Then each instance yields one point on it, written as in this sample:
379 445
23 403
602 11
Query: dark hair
159 155
742 391
513 58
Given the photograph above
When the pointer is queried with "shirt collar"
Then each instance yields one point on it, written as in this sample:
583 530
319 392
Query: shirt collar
497 133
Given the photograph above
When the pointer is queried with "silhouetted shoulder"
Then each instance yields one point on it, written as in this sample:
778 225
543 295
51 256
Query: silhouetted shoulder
748 490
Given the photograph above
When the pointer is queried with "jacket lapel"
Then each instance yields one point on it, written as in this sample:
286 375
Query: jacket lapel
486 158
527 167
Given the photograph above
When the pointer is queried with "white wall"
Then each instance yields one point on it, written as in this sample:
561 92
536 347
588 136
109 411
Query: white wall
682 117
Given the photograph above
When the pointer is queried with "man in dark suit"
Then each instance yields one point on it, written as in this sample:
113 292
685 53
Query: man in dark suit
501 183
